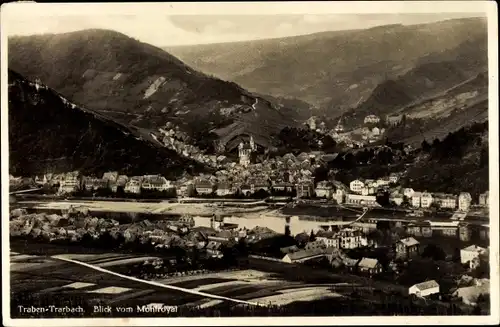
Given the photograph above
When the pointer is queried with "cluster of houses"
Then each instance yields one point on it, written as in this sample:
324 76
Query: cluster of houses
367 188
298 182
330 245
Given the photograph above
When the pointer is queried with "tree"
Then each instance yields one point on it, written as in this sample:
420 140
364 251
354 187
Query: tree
312 237
383 198
483 158
426 147
434 252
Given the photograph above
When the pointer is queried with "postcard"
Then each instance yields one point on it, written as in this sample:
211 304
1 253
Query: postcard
233 163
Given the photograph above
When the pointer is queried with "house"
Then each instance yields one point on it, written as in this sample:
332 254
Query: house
446 201
369 266
408 192
121 181
397 199
371 119
313 245
328 238
471 252
464 201
311 122
282 187
246 190
111 176
339 195
367 190
134 185
426 200
351 238
415 199
259 185
350 264
324 189
375 131
424 289
184 189
393 120
156 183
214 249
289 249
224 189
303 255
305 189
407 248
204 188
470 294
393 178
356 185
70 183
367 200
340 192
90 183
484 199
383 181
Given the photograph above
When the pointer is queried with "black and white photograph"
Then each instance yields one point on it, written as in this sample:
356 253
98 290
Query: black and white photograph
255 163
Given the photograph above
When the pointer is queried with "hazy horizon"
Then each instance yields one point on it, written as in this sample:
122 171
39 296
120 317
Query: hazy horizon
179 30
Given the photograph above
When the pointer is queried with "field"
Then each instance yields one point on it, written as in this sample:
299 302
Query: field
42 278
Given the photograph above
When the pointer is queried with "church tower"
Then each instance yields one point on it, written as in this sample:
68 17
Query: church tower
244 152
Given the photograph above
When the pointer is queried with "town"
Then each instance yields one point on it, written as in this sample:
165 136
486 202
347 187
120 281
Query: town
366 244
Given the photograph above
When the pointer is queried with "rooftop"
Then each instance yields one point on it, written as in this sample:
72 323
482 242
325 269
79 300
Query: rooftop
427 285
305 254
409 241
474 248
368 263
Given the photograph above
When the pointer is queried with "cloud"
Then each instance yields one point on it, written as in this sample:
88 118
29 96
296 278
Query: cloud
162 30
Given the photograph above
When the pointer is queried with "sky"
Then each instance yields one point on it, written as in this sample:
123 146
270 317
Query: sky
169 30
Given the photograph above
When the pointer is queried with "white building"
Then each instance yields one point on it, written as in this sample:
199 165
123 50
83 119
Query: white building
424 289
110 176
397 199
408 192
133 185
469 253
368 200
356 186
484 199
371 119
70 183
464 201
339 195
415 199
329 241
383 181
156 182
351 238
376 131
324 190
447 201
367 190
393 178
426 200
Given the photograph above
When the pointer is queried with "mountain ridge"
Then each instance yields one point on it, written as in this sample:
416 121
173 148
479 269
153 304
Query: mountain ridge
48 133
330 70
137 83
